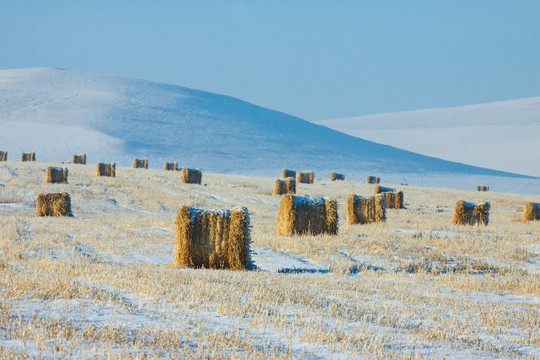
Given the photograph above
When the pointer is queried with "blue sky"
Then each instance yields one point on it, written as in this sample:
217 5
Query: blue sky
313 59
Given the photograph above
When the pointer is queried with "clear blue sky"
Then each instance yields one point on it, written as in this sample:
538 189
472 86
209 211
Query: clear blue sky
313 59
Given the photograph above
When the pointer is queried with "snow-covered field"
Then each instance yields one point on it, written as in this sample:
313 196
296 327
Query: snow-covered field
97 285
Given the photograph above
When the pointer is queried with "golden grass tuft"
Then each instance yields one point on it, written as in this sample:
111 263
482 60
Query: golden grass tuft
3 155
53 204
482 188
140 163
373 180
335 176
365 210
305 178
78 159
466 213
531 211
28 156
307 215
170 166
285 186
56 175
212 238
285 173
103 169
191 176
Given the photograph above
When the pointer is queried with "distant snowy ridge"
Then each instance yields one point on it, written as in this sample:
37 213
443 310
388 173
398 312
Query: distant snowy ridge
501 135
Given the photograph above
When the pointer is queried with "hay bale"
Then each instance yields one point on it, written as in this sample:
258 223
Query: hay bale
466 213
531 211
482 188
28 156
191 176
212 238
307 215
365 209
373 180
381 189
288 173
3 155
335 176
78 159
393 200
53 204
285 186
140 163
103 169
56 175
170 166
305 178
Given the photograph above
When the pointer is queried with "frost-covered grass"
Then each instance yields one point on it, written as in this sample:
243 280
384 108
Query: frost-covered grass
97 285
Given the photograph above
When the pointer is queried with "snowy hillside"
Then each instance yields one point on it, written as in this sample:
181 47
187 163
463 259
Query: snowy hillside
503 135
58 112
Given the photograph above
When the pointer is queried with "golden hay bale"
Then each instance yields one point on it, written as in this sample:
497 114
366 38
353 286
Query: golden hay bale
381 189
170 166
212 238
78 159
288 173
393 200
307 215
28 156
482 188
191 176
335 176
531 211
56 175
466 213
365 209
103 169
53 204
140 163
3 155
305 178
285 186
373 180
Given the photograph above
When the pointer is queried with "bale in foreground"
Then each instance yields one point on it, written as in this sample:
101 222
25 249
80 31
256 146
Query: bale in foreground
305 178
285 186
103 169
78 159
393 200
3 155
373 180
466 213
140 163
285 173
531 211
307 215
170 166
53 204
482 188
191 176
28 156
365 210
335 176
212 238
56 175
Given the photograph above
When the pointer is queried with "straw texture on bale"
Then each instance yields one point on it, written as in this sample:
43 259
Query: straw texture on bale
531 211
305 178
307 215
191 176
103 169
170 166
335 176
56 175
28 156
78 159
140 163
285 173
3 155
381 189
365 210
53 204
212 238
466 213
285 186
482 188
393 200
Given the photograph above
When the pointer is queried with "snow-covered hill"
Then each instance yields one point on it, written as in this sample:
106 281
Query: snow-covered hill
503 135
58 112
